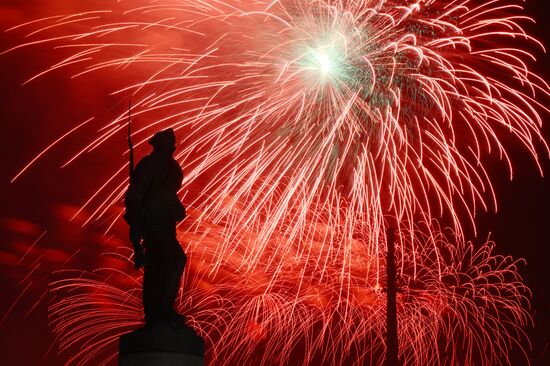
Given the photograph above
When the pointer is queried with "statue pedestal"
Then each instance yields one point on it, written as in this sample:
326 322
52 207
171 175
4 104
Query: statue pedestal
160 345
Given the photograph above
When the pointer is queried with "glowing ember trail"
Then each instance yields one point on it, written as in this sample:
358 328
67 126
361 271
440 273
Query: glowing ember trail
306 128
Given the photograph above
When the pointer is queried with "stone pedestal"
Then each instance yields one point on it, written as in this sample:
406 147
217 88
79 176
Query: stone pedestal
160 345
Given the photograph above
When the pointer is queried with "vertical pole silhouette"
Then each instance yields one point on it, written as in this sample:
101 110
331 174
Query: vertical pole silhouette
392 347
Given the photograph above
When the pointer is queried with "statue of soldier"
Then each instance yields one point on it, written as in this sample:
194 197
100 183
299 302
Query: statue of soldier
152 211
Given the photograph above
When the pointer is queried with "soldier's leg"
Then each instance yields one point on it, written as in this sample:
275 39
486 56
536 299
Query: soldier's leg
152 294
172 280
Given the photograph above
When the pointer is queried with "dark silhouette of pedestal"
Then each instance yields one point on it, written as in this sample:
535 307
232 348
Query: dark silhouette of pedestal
160 345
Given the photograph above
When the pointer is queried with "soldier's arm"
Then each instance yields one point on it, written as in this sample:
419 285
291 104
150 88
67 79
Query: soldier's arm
133 200
179 210
179 174
140 182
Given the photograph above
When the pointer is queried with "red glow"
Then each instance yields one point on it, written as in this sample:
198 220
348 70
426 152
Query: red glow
300 139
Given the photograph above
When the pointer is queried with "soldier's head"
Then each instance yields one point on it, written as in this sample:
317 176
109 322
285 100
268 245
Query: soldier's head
164 142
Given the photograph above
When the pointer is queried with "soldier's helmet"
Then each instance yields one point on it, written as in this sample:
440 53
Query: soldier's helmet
163 139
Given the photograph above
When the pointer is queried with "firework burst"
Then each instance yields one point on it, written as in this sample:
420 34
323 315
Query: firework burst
463 308
306 127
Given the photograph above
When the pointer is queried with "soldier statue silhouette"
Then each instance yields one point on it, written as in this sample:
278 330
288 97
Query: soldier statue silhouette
152 211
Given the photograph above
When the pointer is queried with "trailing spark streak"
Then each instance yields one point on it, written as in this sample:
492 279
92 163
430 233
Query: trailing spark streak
314 124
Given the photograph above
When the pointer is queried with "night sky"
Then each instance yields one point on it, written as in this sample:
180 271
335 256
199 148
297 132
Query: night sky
45 198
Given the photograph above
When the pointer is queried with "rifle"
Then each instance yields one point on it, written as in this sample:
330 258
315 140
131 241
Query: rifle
135 234
130 145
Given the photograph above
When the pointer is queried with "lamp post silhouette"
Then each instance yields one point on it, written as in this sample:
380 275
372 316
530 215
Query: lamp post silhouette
392 345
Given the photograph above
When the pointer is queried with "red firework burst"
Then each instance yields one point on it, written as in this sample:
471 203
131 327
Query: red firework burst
306 127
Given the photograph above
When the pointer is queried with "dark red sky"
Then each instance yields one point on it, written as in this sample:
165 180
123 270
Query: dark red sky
45 198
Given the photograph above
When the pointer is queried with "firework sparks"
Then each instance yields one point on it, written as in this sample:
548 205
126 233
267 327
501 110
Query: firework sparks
314 124
468 297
